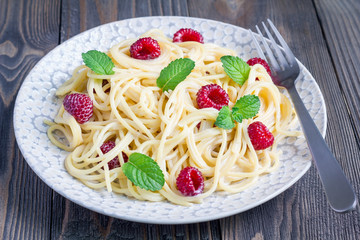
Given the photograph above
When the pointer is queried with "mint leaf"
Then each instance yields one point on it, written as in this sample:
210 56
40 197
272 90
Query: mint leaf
236 68
175 73
224 119
144 172
246 107
99 62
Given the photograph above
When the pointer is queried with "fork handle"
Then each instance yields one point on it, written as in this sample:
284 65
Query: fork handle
339 192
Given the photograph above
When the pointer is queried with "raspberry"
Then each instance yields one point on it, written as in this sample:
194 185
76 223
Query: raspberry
190 181
114 163
80 106
145 49
260 136
188 34
212 95
253 61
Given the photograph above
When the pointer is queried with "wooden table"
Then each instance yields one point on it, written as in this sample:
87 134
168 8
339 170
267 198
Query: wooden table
324 35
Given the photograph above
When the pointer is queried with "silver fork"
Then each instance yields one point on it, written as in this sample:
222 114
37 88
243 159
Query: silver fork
285 71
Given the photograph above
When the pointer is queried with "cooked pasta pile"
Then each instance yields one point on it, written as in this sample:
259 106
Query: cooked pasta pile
130 109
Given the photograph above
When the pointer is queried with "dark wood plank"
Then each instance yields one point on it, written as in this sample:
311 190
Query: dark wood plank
71 221
302 211
340 24
25 36
78 16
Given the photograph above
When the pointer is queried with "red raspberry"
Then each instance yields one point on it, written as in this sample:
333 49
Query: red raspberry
212 95
190 181
114 163
80 106
253 61
145 49
260 136
188 34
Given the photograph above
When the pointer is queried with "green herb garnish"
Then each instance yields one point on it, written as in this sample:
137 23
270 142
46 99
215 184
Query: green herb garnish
246 107
175 73
224 119
144 172
236 68
99 62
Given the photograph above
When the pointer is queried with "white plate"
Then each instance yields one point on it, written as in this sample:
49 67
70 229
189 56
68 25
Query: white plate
36 101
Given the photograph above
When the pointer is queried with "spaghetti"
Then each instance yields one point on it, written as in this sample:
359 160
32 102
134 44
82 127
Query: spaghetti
131 110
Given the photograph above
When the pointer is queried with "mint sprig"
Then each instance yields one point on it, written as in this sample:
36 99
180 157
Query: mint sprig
236 68
144 172
175 73
99 62
246 107
224 119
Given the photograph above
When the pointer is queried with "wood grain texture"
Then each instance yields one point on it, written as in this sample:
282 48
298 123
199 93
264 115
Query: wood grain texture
78 16
28 30
342 33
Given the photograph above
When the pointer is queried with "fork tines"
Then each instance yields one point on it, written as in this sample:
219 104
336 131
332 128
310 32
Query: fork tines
278 62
